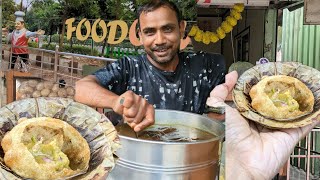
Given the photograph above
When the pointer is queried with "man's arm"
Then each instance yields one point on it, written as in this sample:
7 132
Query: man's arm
89 91
135 110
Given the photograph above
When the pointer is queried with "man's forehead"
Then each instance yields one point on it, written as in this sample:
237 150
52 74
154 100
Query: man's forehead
169 12
148 20
151 26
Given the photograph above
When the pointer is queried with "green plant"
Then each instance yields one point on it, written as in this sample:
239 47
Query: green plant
33 44
74 49
80 50
49 47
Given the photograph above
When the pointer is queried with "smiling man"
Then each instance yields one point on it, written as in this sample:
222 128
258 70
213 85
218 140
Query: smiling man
160 31
163 78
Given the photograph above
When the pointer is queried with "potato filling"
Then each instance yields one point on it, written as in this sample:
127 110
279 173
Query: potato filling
49 154
283 99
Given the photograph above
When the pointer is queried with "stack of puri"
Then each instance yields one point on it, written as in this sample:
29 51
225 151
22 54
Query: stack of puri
35 89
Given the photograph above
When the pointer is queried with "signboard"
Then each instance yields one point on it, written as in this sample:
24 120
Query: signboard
109 31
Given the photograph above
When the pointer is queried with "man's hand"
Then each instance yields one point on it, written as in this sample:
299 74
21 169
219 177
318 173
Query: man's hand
136 111
260 152
253 151
219 94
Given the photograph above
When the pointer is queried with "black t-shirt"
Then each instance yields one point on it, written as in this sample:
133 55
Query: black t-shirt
185 89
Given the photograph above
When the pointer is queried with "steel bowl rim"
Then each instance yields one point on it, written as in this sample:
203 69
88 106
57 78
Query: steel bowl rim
218 137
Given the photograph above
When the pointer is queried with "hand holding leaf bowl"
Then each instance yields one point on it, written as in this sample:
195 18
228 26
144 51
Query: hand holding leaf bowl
279 94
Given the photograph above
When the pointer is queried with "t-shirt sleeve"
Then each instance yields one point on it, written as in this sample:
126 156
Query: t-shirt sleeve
113 76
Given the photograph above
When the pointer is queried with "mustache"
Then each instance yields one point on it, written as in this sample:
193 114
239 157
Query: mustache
159 48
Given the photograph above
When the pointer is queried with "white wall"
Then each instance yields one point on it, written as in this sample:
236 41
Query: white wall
251 18
254 20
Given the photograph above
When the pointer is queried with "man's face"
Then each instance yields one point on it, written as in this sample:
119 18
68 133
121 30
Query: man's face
160 34
19 25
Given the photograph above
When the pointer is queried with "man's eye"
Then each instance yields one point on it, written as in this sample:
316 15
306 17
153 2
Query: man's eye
168 29
149 33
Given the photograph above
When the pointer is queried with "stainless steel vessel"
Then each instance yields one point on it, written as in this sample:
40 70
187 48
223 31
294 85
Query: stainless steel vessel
154 160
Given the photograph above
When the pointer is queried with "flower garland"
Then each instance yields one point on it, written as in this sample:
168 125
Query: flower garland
226 27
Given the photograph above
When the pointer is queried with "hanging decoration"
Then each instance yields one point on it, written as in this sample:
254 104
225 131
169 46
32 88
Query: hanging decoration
220 33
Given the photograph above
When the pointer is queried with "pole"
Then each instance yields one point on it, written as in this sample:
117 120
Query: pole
56 61
1 71
21 5
1 34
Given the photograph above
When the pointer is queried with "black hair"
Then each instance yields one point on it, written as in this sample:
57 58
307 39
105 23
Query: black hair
152 5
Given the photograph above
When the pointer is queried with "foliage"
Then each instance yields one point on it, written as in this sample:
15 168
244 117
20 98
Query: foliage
55 38
80 50
187 8
79 8
44 15
49 47
8 10
33 44
50 15
126 9
74 49
122 9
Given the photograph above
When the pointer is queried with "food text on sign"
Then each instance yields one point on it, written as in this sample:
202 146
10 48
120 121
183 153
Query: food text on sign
113 26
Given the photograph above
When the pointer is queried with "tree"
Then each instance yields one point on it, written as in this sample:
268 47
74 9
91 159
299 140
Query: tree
8 10
116 9
52 14
187 8
44 15
77 8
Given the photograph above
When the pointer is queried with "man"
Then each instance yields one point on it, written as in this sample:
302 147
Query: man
253 151
19 37
164 78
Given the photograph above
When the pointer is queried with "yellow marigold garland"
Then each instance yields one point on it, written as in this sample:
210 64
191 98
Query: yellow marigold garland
206 38
214 37
226 27
231 20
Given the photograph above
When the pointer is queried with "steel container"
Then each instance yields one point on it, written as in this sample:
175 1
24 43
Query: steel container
155 160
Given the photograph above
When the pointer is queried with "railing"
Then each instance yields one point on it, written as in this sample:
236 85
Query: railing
50 65
306 155
54 65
